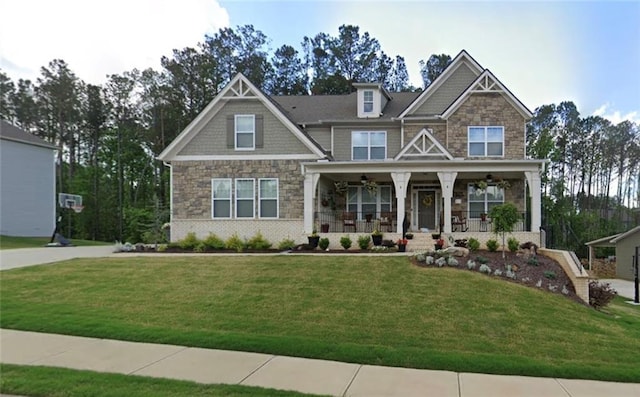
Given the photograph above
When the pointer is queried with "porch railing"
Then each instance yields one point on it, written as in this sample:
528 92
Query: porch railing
352 221
476 221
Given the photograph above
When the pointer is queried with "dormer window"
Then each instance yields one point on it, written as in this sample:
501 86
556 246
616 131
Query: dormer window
368 101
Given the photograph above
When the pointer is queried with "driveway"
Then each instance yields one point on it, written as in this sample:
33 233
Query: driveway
22 257
625 288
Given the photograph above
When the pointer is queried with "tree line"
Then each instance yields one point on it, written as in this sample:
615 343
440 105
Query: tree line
110 134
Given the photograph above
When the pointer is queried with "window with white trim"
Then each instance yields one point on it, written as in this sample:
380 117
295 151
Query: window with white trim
361 201
482 200
245 128
245 198
268 197
368 145
367 101
486 141
221 198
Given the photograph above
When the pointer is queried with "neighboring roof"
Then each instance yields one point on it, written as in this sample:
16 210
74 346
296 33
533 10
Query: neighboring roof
610 241
307 109
240 87
626 234
10 132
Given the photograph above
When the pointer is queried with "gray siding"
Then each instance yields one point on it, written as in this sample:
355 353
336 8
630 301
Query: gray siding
27 190
625 249
212 139
322 136
451 89
342 141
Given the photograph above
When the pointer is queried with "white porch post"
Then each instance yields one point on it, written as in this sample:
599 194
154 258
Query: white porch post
535 190
310 184
447 179
400 181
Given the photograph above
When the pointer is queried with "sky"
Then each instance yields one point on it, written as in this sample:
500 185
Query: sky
545 52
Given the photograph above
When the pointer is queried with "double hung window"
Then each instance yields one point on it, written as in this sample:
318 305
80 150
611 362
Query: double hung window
221 198
268 197
368 101
245 127
368 145
482 200
486 141
237 198
363 202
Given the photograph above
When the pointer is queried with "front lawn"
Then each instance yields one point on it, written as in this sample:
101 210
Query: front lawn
9 242
375 310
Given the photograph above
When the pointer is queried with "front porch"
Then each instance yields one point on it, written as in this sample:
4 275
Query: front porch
419 196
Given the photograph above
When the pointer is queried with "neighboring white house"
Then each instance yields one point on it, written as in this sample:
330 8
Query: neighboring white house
27 183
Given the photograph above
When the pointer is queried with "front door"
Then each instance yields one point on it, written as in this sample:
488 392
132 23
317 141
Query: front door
427 209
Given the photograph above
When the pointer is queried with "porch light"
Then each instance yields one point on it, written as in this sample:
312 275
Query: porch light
363 179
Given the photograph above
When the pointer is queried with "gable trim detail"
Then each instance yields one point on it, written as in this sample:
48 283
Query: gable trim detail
238 88
488 83
426 145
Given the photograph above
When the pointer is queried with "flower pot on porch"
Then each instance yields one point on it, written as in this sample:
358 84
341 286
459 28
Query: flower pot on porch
313 240
376 239
402 248
324 228
438 247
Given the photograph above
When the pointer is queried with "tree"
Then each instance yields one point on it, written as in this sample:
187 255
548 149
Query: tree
398 78
504 217
288 75
7 89
433 67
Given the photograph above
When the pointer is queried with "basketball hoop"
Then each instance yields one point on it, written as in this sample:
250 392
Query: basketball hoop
77 208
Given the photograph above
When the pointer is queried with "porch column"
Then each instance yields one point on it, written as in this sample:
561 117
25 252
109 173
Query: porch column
310 184
400 181
535 190
447 180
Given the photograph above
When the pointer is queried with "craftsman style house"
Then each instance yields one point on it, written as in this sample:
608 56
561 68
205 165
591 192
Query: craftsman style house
288 165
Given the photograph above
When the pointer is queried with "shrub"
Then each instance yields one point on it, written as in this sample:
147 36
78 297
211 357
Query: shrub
258 242
213 242
323 243
190 242
345 242
473 244
485 269
600 294
533 261
482 260
497 272
235 243
550 274
201 247
162 247
513 244
363 242
471 264
451 261
441 262
429 260
286 244
492 245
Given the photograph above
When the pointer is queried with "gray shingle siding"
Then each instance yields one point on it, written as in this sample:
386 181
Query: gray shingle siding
211 140
441 98
342 140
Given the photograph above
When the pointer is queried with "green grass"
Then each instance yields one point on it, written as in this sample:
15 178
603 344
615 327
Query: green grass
10 242
373 310
62 382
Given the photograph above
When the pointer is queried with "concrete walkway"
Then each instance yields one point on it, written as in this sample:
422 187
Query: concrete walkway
286 373
22 257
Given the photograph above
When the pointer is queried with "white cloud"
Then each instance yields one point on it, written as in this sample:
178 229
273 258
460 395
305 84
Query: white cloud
100 38
615 116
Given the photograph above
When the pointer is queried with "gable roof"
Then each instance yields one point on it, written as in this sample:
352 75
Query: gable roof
307 109
487 82
462 57
626 234
238 87
610 241
10 132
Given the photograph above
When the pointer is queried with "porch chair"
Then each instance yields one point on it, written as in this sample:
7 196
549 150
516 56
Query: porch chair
349 220
458 219
386 219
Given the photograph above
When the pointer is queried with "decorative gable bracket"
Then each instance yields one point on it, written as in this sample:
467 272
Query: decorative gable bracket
424 144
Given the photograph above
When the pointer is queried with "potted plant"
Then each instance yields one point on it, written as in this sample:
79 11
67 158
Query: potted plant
408 236
402 245
480 185
324 228
435 236
439 244
376 237
313 238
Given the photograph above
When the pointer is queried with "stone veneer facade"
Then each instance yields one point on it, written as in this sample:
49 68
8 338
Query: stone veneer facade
191 209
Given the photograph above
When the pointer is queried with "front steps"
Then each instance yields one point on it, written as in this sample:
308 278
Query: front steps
421 242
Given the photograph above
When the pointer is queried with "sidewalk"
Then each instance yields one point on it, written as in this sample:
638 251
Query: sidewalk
287 373
22 257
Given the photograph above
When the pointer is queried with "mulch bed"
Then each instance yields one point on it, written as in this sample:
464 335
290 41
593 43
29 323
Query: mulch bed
534 276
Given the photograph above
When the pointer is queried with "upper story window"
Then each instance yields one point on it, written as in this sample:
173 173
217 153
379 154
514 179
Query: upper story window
368 145
486 141
245 128
368 101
